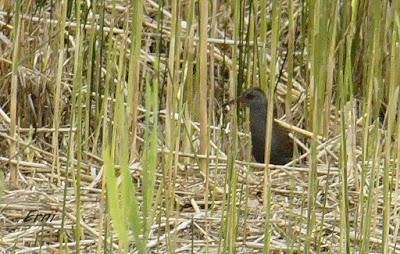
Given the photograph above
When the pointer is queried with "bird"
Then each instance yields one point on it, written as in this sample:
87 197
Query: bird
281 151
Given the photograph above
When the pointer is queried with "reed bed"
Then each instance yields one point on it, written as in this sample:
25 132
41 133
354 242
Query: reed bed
114 136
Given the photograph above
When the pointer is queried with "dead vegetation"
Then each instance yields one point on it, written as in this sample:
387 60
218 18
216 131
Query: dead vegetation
340 194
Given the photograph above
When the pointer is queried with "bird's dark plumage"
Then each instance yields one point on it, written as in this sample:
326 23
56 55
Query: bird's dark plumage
281 144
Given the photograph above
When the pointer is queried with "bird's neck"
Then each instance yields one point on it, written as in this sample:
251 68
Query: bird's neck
257 120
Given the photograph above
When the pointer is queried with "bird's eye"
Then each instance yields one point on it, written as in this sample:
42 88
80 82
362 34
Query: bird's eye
250 96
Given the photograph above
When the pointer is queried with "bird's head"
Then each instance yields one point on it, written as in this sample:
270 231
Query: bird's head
252 97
